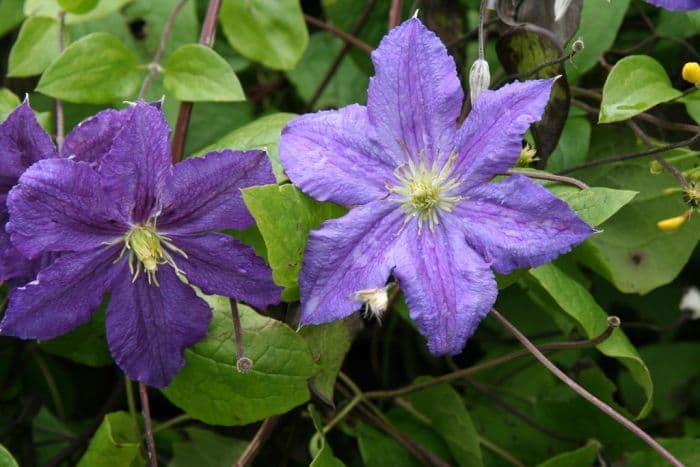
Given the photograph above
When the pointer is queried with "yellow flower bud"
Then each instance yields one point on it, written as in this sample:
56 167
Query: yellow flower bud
673 223
691 72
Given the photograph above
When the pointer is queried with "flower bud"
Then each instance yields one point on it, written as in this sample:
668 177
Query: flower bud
479 78
691 72
655 168
673 223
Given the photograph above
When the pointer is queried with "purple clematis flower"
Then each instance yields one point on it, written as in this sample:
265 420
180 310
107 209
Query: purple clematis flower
426 207
684 5
139 227
22 143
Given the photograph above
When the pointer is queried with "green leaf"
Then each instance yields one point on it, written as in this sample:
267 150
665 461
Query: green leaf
96 69
632 252
445 409
692 105
85 344
596 204
35 48
6 459
600 21
348 85
573 143
11 15
379 450
578 304
321 451
115 443
263 133
687 450
51 8
196 73
78 7
635 84
329 343
206 449
272 32
285 216
8 102
582 457
211 389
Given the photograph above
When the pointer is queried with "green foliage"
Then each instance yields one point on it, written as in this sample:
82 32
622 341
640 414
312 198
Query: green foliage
285 216
11 15
573 144
197 73
271 32
6 459
86 344
115 443
96 69
320 449
579 305
78 7
635 84
581 457
36 47
379 450
211 389
594 205
206 449
8 102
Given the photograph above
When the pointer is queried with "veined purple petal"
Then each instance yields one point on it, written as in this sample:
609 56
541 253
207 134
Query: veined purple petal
346 255
415 96
22 143
59 205
14 267
137 165
685 5
149 326
203 193
220 264
490 140
333 156
93 137
62 297
448 286
517 223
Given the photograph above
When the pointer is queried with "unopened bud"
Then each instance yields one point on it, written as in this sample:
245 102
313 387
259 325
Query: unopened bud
479 78
656 168
673 223
578 45
691 72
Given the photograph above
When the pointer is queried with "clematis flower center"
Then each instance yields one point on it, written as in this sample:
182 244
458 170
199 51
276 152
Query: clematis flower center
147 250
424 190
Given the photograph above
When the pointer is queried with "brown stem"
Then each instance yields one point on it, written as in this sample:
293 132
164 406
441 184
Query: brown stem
60 125
339 57
664 163
261 436
154 66
206 38
605 408
148 425
395 13
243 363
348 38
551 177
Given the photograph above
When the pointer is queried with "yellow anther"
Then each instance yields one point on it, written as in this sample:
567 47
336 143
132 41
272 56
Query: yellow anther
528 155
691 72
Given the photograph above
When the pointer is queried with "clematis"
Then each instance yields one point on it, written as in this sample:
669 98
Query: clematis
23 142
139 227
426 208
684 5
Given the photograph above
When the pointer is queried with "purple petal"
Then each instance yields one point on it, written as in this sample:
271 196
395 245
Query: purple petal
92 138
346 255
220 264
135 169
490 140
62 297
13 265
22 142
149 326
203 193
59 205
676 4
415 96
448 286
517 223
333 156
